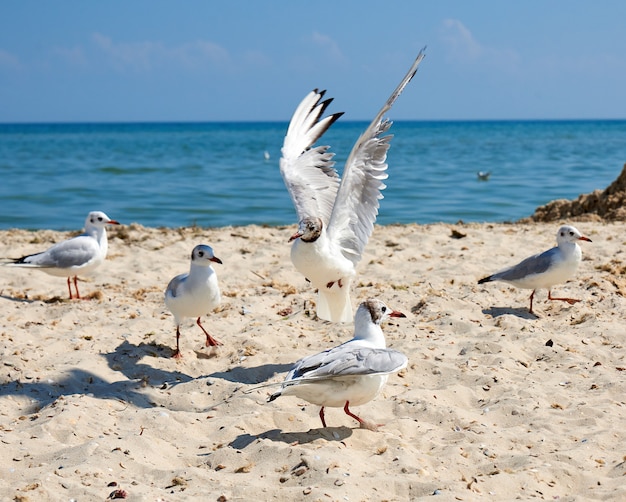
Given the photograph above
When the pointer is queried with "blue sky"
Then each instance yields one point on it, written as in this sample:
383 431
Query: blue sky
204 60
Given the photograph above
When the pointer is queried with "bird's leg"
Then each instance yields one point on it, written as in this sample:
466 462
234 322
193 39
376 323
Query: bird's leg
532 295
364 424
348 412
571 301
69 287
177 354
322 416
331 283
210 341
76 286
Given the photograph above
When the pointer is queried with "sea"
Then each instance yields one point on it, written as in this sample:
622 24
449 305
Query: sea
226 173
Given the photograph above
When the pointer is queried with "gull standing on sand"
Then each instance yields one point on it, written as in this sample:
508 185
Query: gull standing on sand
194 294
351 374
544 270
79 255
336 216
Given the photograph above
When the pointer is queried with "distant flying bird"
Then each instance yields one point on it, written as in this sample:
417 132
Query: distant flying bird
352 373
76 256
544 270
336 216
194 294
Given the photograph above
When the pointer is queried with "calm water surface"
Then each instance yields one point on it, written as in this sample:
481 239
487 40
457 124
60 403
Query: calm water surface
215 174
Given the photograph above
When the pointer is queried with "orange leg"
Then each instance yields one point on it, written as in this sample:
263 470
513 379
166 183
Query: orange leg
531 301
210 341
322 417
331 283
69 287
348 412
177 354
571 301
364 424
76 286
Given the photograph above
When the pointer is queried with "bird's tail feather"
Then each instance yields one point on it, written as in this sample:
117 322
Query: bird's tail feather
334 304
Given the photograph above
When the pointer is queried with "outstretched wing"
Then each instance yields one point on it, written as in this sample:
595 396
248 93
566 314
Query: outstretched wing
356 207
308 172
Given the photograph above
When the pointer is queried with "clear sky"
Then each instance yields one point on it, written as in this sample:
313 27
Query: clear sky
206 60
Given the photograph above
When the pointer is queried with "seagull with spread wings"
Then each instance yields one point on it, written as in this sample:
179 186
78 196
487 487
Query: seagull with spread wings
336 216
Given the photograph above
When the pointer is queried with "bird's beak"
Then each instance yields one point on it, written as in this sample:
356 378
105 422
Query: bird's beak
113 222
583 238
216 260
396 313
295 236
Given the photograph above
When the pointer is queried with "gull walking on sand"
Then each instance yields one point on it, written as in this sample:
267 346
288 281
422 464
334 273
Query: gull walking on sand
544 270
79 255
351 374
194 294
336 216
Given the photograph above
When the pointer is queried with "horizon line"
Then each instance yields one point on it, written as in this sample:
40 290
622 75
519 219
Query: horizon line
279 121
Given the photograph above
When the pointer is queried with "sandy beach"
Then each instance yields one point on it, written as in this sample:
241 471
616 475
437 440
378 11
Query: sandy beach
495 404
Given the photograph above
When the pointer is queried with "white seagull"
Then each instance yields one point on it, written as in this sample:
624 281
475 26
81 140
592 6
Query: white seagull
79 255
544 270
336 216
351 374
194 294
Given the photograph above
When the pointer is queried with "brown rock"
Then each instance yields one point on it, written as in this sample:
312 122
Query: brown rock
606 205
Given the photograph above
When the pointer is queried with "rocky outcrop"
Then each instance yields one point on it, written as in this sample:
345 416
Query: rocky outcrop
600 205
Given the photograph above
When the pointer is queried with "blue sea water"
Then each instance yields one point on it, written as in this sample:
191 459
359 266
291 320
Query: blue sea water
215 174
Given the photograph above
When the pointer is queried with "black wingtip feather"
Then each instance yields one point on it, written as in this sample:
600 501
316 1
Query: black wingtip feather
485 279
23 258
333 119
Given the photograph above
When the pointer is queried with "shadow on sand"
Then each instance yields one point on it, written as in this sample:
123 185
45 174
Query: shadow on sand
518 312
327 433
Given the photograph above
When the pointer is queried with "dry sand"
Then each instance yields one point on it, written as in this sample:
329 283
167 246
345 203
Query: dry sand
496 404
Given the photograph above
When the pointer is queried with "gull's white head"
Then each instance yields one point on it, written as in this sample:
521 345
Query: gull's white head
98 219
202 255
568 233
375 311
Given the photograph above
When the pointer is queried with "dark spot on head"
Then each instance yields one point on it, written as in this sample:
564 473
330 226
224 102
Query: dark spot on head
312 229
376 309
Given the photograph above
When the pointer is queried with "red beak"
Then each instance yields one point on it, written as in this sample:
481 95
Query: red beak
295 236
583 238
396 313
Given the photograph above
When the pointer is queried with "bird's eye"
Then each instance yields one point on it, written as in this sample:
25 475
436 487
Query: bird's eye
200 254
383 309
571 233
